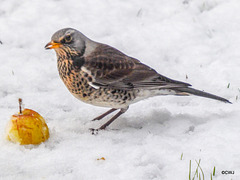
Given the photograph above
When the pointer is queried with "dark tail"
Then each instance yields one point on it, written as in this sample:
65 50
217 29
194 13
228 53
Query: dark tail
200 93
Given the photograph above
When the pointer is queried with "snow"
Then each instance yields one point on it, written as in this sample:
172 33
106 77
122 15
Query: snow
194 38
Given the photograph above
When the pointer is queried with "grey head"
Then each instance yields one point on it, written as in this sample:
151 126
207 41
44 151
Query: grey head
68 39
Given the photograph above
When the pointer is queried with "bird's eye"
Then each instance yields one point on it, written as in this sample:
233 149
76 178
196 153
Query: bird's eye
68 38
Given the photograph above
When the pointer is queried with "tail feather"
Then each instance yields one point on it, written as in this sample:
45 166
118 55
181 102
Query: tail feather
188 90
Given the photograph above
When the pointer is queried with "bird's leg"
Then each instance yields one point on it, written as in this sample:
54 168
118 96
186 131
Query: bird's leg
104 114
122 110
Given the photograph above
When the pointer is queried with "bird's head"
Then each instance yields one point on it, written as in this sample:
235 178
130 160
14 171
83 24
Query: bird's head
67 41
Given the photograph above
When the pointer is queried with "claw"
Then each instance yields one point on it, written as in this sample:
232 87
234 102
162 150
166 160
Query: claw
94 131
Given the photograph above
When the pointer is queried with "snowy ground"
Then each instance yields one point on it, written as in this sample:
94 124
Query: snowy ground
199 39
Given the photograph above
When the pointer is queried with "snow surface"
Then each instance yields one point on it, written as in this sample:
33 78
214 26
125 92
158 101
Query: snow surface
198 39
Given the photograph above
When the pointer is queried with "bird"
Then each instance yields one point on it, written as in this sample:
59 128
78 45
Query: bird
101 75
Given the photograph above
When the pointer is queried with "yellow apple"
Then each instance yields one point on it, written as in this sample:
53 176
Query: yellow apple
27 127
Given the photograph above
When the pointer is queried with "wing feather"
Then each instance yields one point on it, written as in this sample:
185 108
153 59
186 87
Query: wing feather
112 68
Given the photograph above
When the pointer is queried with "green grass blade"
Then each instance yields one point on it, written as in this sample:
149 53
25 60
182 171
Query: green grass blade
200 168
190 170
228 85
214 170
181 157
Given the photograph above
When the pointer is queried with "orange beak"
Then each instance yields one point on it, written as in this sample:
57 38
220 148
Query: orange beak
52 45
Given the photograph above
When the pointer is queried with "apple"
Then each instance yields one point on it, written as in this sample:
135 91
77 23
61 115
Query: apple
27 127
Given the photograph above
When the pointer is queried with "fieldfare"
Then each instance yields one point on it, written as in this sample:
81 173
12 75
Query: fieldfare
101 75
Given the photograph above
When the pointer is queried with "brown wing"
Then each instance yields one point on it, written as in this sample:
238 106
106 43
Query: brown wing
112 68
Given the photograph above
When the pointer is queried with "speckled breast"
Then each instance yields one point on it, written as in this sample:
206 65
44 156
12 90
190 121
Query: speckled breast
75 80
78 81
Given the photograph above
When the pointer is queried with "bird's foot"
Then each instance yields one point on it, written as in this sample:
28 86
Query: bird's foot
94 131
